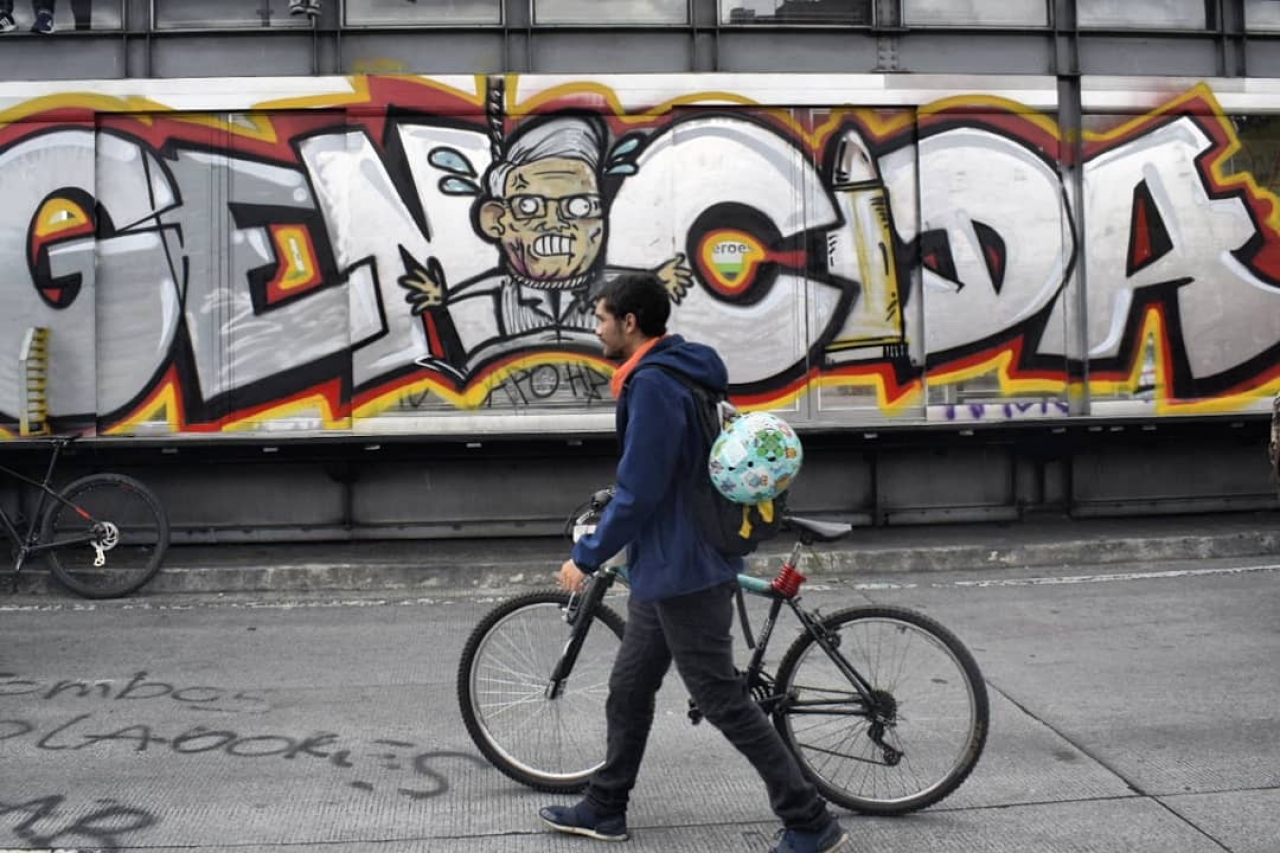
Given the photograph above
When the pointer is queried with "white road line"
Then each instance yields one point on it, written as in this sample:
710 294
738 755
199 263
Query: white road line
1120 576
1171 574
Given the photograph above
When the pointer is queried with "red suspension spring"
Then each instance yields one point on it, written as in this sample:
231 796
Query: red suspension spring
788 581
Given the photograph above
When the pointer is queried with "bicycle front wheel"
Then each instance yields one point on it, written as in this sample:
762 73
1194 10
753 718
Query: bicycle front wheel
928 726
550 744
107 535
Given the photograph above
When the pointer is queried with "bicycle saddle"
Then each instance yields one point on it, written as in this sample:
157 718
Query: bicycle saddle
811 530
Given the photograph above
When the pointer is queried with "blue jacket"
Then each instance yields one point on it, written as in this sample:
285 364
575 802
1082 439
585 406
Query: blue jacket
662 450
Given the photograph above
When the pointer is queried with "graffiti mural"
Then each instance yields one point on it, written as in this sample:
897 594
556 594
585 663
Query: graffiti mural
415 250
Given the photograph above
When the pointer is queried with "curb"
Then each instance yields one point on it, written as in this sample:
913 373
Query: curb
490 572
1030 555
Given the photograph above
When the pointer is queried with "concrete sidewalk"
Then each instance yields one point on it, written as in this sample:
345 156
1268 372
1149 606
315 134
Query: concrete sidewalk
1132 716
460 564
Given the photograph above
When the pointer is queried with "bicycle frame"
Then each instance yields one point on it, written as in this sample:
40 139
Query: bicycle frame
27 544
755 675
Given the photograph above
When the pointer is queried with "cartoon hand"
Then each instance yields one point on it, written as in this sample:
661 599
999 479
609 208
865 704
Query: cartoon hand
426 285
677 277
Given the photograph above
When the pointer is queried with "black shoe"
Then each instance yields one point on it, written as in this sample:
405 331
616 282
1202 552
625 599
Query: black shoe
44 23
833 839
583 819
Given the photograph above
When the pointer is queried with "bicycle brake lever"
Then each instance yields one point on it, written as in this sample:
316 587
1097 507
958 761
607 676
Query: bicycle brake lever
571 609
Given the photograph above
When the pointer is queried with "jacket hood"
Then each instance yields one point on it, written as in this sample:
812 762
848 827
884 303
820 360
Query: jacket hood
697 361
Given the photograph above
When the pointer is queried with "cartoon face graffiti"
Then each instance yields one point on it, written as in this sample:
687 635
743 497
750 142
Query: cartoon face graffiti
549 221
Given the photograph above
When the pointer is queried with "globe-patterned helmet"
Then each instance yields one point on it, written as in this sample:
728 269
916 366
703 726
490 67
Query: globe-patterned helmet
755 459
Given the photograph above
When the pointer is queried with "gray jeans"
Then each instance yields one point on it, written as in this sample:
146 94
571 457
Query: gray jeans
694 631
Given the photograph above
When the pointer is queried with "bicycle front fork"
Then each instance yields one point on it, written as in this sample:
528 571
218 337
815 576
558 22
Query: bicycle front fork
579 613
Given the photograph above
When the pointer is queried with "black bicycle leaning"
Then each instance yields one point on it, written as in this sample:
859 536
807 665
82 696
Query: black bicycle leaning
884 708
103 536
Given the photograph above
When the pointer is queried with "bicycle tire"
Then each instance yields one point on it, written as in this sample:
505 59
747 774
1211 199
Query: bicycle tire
940 723
550 745
134 535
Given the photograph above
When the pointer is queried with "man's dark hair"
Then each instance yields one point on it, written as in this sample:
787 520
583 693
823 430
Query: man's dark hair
642 294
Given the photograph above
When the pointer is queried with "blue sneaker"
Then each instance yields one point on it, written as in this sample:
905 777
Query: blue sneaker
833 839
583 819
44 23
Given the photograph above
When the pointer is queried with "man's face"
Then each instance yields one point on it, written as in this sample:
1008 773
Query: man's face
611 332
550 223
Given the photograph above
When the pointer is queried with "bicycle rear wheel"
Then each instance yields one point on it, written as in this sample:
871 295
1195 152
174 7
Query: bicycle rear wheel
110 515
932 704
551 745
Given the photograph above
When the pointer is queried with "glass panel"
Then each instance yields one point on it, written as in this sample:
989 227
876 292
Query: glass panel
986 13
613 11
868 203
1153 214
796 11
994 255
1159 14
195 14
738 193
432 12
139 267
1261 15
47 247
268 237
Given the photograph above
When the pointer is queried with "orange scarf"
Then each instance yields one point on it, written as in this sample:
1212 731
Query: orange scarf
620 375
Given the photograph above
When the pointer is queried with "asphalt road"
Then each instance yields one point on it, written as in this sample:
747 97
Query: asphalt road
1134 708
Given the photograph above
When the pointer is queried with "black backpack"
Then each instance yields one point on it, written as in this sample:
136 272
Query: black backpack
734 530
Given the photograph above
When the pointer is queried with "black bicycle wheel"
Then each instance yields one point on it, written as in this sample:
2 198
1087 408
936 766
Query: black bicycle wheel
932 702
114 535
548 744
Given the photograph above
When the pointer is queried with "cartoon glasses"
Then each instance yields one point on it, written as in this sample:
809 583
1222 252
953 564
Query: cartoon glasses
584 206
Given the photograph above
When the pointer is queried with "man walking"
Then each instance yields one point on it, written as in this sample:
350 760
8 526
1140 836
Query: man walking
681 603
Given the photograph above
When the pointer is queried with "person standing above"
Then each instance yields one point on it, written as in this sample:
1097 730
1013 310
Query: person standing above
681 602
44 17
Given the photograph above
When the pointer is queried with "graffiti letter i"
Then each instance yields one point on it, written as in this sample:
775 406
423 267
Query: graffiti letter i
863 250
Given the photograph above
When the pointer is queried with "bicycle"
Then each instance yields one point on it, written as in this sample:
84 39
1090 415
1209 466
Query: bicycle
885 709
103 535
